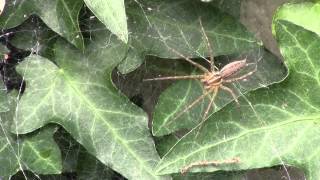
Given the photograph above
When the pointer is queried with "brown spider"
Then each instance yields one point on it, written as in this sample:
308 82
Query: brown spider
213 79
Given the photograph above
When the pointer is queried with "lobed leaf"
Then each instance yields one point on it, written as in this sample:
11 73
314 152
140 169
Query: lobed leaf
76 92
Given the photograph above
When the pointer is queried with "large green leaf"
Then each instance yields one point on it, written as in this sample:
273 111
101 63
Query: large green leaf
111 13
278 125
154 25
36 152
76 92
60 15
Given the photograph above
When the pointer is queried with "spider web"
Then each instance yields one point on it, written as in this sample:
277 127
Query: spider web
36 35
164 40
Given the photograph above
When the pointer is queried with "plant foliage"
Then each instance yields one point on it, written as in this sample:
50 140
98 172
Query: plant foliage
69 115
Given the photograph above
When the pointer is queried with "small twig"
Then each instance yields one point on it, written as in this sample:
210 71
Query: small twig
185 169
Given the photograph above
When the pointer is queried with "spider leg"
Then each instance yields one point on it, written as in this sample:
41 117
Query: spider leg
241 77
181 55
191 105
208 46
175 77
231 92
215 92
190 47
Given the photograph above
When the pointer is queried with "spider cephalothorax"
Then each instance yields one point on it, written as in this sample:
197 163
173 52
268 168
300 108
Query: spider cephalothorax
214 80
211 80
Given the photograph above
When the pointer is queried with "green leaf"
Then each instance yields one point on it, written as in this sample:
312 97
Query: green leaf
168 116
156 25
112 14
76 92
36 152
306 15
278 125
60 15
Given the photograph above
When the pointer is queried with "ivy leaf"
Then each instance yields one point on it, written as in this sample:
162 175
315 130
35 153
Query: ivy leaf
112 14
156 25
77 92
60 15
36 152
278 125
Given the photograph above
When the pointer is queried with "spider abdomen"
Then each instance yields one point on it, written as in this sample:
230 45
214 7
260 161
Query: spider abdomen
232 68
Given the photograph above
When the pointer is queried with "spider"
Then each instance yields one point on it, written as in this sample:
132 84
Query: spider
212 79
